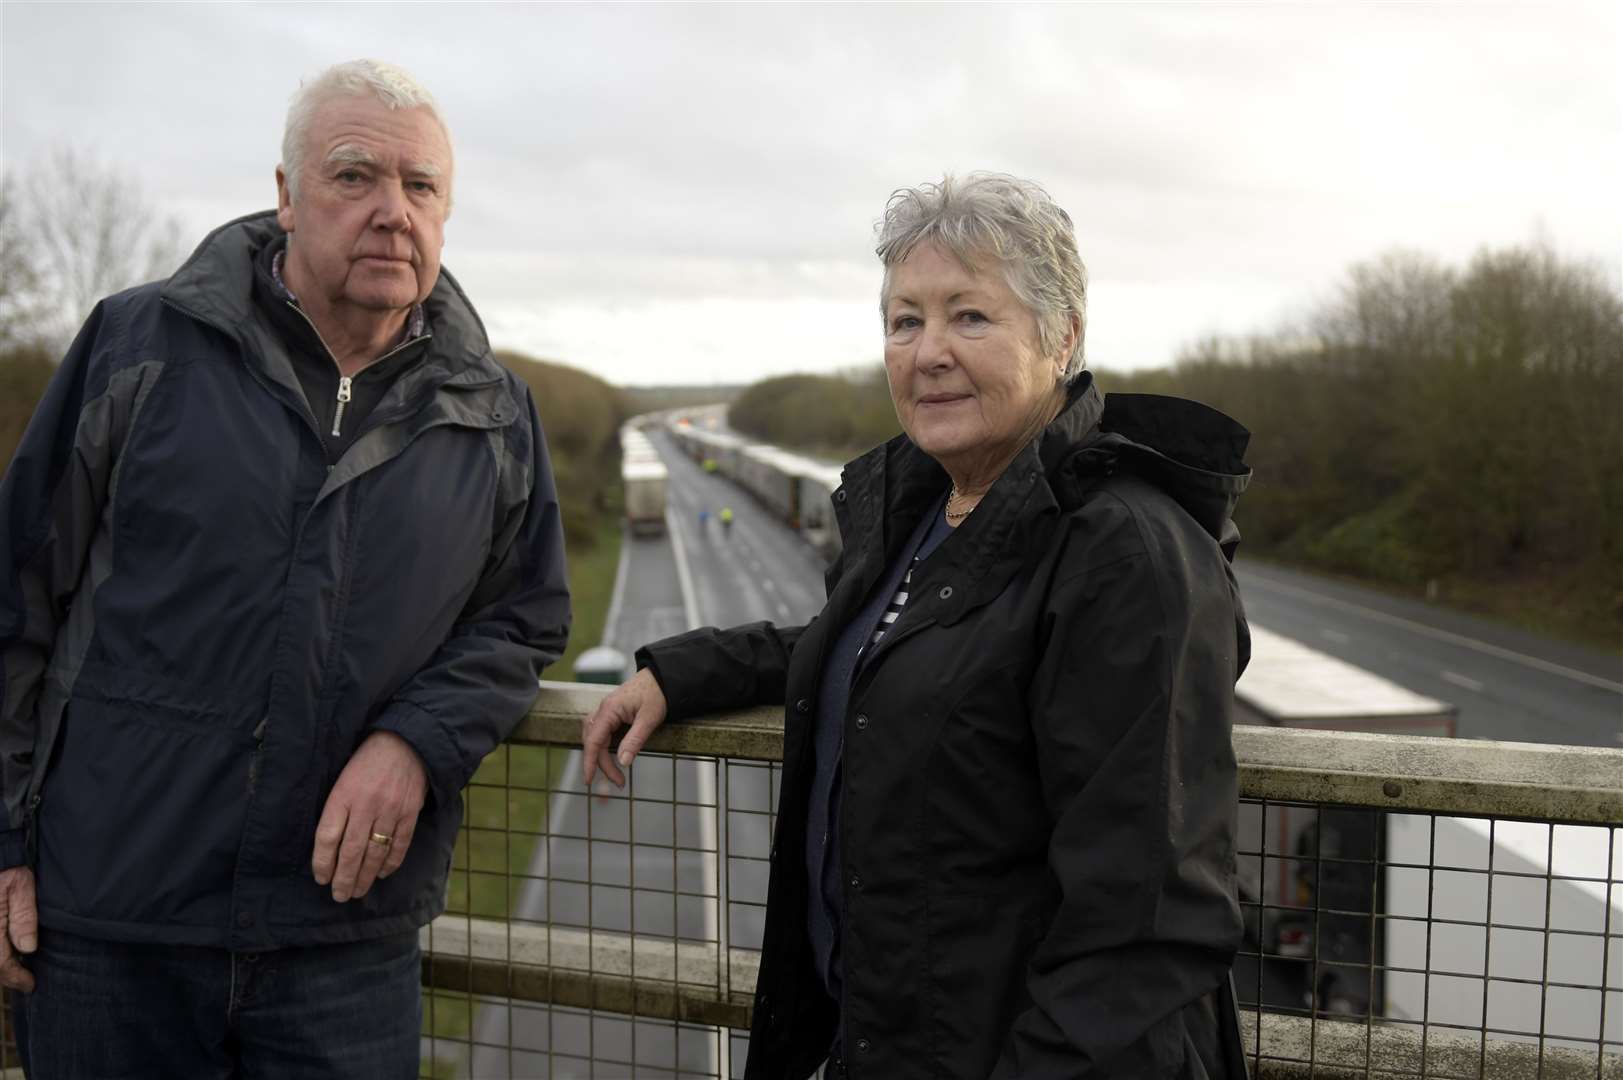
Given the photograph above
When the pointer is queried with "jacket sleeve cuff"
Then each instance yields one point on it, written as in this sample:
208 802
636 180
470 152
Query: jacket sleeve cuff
447 772
13 848
679 703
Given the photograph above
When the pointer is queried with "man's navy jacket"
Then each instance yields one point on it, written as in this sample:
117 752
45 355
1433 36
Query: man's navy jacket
201 617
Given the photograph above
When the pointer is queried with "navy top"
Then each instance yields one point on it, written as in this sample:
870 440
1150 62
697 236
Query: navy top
825 899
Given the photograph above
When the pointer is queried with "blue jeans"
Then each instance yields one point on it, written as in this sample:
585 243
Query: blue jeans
104 1010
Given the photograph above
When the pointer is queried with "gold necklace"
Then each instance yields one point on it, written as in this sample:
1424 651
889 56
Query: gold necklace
954 515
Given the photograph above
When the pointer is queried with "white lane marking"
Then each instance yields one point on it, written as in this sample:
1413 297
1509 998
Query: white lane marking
1462 681
1334 635
684 577
1445 635
617 597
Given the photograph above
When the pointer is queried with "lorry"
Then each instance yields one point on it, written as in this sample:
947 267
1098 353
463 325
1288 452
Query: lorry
643 476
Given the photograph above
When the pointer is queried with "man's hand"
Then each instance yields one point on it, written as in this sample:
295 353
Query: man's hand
638 702
379 793
19 926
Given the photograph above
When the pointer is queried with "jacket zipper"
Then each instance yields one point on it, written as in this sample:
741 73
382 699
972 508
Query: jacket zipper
343 399
31 836
345 382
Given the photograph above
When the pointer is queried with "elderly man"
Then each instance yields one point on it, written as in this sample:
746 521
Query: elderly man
281 563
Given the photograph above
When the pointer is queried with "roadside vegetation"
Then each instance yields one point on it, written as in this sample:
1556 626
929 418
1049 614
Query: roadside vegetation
1454 433
829 416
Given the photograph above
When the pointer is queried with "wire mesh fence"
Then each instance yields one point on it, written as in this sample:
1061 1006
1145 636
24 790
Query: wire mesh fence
1379 942
586 932
1431 943
1414 907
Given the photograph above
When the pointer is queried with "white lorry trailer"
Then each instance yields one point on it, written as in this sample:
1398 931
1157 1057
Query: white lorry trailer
644 477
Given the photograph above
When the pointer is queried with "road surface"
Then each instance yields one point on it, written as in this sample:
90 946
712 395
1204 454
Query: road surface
1507 683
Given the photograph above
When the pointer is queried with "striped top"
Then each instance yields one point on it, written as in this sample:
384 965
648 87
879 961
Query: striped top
894 609
937 531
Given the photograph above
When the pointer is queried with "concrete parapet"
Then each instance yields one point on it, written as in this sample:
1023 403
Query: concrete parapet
1411 773
1294 1048
588 969
658 978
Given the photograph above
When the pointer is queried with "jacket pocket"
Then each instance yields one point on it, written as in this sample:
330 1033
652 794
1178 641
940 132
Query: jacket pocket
140 817
978 947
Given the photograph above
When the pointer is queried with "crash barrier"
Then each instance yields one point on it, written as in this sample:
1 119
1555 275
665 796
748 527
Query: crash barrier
1414 906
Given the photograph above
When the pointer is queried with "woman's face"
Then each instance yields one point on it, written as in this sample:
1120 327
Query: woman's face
968 377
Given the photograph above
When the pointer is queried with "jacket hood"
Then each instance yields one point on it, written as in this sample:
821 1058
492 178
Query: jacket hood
1190 451
215 284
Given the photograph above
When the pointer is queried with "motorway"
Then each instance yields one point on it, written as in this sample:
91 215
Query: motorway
1507 683
643 860
758 569
608 863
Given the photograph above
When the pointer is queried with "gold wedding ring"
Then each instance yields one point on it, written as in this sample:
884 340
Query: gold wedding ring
381 840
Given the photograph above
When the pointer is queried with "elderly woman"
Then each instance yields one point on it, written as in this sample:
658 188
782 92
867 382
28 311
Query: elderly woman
1005 841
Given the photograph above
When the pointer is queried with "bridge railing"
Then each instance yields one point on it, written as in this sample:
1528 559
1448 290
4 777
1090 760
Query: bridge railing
1414 906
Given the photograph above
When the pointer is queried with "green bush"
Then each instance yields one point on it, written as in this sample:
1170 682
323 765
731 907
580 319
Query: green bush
1378 544
24 372
825 415
581 415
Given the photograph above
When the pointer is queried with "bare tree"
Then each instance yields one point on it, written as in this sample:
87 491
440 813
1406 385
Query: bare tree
21 298
90 229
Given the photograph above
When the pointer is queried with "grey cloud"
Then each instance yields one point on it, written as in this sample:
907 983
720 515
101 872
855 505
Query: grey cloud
620 156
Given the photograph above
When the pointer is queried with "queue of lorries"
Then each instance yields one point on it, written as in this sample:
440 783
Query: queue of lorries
1298 862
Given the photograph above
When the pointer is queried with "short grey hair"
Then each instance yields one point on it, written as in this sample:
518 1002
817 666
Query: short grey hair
1010 221
391 85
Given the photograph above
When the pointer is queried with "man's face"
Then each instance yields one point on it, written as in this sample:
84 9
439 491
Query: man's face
369 221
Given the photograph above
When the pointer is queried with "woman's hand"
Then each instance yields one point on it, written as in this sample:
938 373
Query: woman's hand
638 702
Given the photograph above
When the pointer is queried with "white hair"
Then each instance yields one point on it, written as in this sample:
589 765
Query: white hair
1010 221
391 85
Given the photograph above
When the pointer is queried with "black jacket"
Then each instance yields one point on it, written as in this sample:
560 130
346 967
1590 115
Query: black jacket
200 619
1039 784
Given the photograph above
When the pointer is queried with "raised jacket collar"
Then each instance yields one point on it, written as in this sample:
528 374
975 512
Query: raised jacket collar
215 285
458 381
1192 452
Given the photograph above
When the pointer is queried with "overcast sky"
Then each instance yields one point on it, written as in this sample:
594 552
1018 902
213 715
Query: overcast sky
683 193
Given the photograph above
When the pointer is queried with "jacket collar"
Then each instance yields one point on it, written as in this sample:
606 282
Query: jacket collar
1193 453
458 381
891 485
215 285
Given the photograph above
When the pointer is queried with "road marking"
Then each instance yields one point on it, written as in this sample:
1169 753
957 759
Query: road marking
1335 635
1445 635
1462 681
684 578
617 597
